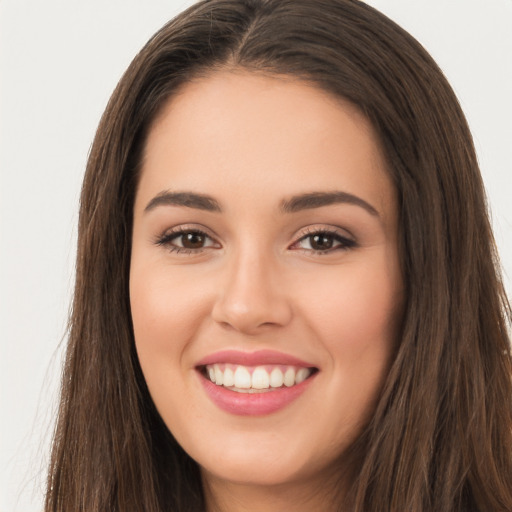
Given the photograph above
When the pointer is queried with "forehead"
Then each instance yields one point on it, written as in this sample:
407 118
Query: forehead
268 135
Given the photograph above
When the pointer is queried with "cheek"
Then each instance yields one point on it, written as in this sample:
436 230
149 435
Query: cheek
166 307
358 310
357 319
165 317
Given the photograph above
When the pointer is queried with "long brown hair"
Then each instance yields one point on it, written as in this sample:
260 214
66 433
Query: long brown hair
441 435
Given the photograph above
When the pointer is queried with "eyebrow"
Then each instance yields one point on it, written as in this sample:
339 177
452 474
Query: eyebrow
295 204
187 199
318 199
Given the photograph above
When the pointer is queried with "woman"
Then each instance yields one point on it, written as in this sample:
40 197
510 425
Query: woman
287 293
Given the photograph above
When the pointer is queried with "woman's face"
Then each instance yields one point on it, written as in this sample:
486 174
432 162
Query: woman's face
264 253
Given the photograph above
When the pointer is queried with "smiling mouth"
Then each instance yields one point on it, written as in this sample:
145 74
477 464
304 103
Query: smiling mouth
255 379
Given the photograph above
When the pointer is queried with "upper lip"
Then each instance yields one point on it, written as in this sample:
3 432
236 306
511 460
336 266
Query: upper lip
257 358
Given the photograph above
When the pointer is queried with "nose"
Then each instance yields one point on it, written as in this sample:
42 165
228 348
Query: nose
252 297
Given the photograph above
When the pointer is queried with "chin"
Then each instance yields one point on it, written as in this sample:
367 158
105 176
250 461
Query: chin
264 459
261 471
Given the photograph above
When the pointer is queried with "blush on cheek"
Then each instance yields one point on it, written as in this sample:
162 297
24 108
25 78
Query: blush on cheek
160 312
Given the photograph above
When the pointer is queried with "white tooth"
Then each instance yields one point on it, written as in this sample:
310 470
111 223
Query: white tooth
211 374
218 375
242 378
229 379
276 378
260 378
289 377
302 375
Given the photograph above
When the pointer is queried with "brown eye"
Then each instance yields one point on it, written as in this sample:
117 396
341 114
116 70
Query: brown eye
324 242
192 240
321 242
187 240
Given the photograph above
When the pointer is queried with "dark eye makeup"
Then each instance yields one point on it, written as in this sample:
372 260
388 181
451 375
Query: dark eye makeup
319 241
323 241
186 240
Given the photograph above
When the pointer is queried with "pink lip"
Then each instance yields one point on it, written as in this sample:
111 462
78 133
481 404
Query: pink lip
253 404
258 358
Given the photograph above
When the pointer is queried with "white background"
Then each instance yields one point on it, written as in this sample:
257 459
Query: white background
59 62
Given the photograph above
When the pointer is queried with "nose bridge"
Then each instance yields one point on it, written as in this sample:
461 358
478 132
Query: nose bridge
250 296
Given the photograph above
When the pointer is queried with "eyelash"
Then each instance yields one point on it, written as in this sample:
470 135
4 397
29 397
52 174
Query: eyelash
166 240
344 243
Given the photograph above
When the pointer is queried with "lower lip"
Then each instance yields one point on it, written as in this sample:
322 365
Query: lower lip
253 404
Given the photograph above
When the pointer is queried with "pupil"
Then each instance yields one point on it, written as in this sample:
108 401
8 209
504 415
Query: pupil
321 242
193 240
